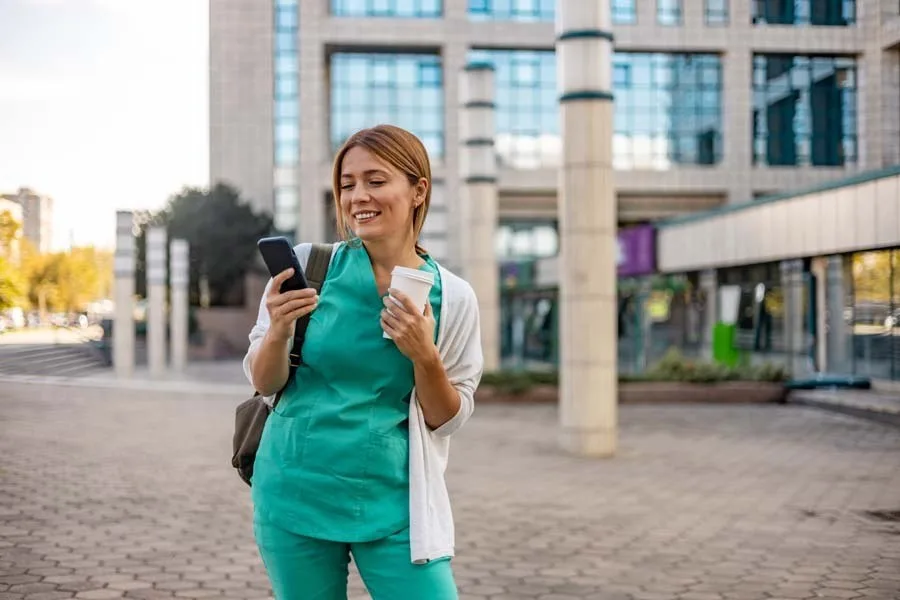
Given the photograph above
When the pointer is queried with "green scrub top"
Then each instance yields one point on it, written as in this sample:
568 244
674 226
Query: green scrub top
333 459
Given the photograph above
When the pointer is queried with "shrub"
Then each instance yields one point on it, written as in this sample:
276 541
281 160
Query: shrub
673 366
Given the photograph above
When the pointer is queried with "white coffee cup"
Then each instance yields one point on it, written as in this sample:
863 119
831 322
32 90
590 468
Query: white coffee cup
414 283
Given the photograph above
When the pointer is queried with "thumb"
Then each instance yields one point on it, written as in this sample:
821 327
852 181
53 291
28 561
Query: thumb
428 311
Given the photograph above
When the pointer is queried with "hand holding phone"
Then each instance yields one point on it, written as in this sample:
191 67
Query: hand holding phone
289 297
279 256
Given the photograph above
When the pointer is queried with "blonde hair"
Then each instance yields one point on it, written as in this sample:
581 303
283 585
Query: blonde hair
398 148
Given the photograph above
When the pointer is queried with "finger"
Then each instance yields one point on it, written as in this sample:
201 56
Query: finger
293 305
279 300
391 319
297 294
278 280
393 305
406 302
428 311
300 312
389 329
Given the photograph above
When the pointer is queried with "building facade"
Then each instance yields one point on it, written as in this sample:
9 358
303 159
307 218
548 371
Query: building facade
809 279
37 217
716 101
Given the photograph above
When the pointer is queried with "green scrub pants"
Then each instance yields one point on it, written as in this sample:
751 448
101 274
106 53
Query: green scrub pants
303 568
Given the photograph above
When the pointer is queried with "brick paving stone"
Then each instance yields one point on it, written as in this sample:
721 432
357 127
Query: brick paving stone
101 594
149 594
701 503
49 596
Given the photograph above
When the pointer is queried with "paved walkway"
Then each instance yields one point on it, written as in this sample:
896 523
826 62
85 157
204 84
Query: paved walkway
885 405
108 494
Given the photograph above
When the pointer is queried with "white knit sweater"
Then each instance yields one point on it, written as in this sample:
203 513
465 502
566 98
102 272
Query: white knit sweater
459 344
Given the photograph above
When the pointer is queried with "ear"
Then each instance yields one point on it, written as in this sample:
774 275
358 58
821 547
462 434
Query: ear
421 191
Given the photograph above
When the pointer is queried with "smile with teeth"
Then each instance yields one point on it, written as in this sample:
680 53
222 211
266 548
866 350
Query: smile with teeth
363 217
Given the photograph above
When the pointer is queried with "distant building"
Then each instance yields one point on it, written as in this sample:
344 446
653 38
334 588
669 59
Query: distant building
37 217
11 250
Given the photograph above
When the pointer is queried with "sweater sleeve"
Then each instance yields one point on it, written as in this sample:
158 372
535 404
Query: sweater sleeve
461 354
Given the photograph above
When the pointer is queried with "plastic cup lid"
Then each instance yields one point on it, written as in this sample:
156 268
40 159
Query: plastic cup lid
417 274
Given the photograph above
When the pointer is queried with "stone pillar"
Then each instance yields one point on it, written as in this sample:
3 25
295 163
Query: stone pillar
796 340
478 169
839 338
156 300
588 225
709 286
123 272
179 301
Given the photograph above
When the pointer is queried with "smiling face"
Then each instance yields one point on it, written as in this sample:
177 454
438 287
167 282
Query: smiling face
377 200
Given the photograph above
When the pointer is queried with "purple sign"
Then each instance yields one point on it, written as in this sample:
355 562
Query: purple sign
636 251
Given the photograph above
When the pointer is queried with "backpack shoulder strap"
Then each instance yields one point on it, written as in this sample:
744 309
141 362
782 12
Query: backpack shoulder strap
316 271
317 265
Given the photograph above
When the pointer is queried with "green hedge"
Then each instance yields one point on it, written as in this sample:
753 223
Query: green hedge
672 367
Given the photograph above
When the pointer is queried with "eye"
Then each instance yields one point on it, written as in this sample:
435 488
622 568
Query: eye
347 187
376 182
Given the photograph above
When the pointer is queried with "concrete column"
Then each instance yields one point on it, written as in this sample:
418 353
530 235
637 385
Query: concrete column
587 223
156 301
180 278
837 286
315 134
123 272
478 170
819 268
796 341
709 285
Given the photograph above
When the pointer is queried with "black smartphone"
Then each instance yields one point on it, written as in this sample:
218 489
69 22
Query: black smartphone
278 255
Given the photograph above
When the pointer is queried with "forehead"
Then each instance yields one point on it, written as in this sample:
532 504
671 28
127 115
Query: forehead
359 160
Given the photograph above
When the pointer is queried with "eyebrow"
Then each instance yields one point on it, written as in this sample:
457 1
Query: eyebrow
369 172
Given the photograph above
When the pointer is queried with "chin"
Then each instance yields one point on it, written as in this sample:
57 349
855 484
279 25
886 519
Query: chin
369 233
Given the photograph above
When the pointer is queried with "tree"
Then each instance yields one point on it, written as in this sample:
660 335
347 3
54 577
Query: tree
41 273
222 231
9 236
12 285
67 281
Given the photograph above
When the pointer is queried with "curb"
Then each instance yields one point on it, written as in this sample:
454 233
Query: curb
178 387
868 412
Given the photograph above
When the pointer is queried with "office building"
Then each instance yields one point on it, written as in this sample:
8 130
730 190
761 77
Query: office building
717 101
37 217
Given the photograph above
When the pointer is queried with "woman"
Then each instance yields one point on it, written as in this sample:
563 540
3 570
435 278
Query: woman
352 459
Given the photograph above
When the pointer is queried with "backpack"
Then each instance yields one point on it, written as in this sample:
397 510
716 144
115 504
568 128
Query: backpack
250 416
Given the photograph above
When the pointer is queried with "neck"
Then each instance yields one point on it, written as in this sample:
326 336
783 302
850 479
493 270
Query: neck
388 253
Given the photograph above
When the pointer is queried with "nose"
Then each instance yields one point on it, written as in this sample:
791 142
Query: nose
359 193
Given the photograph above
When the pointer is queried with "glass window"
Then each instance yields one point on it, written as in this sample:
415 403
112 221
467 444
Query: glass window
404 9
668 110
512 10
624 12
668 12
526 239
527 110
286 209
804 110
287 77
406 90
872 320
835 13
716 12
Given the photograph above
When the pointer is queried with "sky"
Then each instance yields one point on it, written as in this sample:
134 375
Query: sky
103 106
